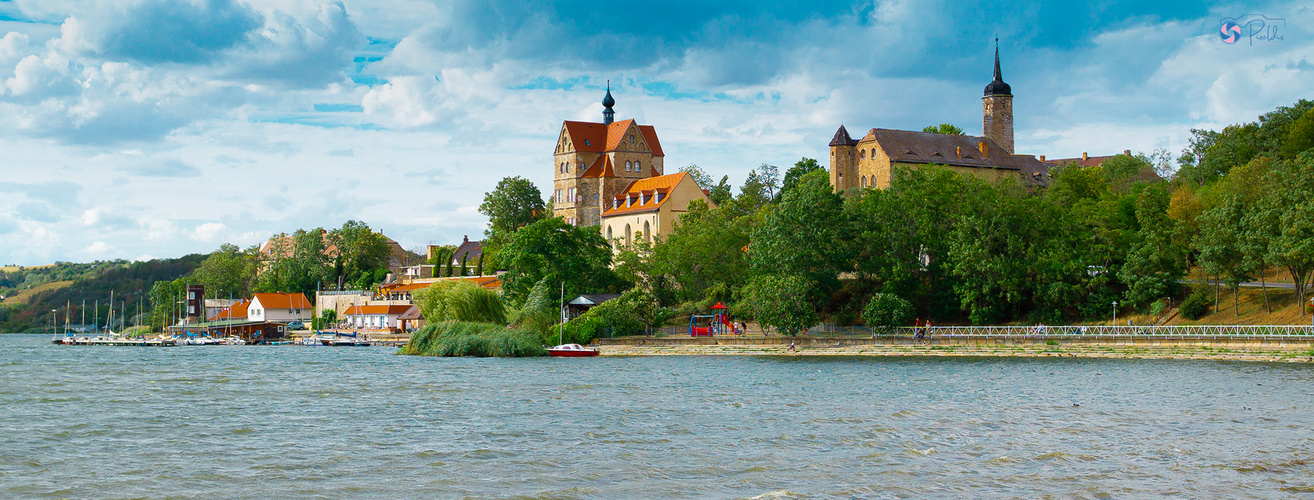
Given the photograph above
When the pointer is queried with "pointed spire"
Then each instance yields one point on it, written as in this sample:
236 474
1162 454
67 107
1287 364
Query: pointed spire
997 87
998 77
608 114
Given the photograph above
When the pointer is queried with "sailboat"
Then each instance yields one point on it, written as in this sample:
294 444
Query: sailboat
568 350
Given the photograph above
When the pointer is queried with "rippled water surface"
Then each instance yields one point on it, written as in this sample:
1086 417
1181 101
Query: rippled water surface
311 422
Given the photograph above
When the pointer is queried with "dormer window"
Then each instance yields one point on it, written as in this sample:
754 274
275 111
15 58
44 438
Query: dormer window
586 142
937 153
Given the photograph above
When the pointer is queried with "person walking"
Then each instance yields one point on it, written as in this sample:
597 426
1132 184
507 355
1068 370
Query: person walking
791 347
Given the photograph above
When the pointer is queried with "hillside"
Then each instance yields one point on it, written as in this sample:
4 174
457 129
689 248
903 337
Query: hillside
29 308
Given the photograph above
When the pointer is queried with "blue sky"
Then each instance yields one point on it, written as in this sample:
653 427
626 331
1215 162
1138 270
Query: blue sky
154 128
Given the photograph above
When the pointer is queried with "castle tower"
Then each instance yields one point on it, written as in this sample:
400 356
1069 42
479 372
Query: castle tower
843 162
997 109
596 161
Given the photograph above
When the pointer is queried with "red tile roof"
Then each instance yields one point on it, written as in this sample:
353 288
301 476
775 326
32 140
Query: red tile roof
234 311
599 138
363 310
282 300
648 188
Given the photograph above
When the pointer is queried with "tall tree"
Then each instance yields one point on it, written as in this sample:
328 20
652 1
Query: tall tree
560 252
361 253
513 204
805 235
801 168
706 250
228 271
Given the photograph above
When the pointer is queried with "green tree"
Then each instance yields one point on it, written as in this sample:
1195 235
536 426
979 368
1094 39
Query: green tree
513 204
228 271
801 168
704 181
1154 261
887 310
705 249
1300 136
943 128
781 302
361 252
579 256
804 236
303 269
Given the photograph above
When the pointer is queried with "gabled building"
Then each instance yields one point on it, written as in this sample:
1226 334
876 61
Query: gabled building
649 208
381 316
596 161
234 312
870 162
279 307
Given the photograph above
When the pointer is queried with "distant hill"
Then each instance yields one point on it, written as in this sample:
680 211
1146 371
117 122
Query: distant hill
37 290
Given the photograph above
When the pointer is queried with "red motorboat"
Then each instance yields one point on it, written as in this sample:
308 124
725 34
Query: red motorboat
572 350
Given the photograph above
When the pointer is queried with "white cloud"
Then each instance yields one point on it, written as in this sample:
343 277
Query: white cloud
98 248
208 232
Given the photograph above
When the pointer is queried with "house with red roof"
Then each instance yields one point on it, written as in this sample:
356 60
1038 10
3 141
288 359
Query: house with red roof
234 312
596 161
279 307
649 208
376 317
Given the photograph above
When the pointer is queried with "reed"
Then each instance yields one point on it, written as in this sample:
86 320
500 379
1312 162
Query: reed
465 338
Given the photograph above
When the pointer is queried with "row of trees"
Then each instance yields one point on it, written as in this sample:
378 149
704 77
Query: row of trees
790 252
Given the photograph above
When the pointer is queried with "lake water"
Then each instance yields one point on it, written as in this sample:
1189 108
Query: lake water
319 422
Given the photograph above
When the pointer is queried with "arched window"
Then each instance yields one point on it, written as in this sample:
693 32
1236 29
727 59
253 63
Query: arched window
863 155
628 234
609 237
864 181
627 166
647 234
637 168
873 153
631 138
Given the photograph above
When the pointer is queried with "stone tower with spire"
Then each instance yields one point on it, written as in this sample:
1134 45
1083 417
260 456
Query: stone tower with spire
597 161
997 109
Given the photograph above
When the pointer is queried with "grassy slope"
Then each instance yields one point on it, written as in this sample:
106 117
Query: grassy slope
23 296
1249 311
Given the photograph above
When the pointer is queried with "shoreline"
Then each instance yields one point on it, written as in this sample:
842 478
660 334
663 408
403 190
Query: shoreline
1283 352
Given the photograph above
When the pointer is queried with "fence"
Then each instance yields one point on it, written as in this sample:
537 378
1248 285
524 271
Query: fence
1240 331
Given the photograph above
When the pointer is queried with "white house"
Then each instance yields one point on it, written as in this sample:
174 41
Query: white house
381 316
279 307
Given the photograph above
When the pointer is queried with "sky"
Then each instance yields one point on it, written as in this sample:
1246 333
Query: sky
139 129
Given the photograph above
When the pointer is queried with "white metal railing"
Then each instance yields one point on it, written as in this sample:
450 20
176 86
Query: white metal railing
1047 331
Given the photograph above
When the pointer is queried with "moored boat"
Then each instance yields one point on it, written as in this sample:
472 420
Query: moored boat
572 350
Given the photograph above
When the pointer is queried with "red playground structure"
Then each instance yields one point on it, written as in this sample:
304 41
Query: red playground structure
718 323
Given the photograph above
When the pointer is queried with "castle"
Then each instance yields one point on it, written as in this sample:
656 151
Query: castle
870 162
595 162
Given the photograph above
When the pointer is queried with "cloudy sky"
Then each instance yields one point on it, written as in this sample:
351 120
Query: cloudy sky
156 128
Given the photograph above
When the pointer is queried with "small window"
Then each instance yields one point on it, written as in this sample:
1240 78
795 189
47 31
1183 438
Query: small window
586 142
631 138
873 153
627 166
637 168
863 155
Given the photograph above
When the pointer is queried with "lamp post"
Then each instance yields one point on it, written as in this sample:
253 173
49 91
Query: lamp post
1115 313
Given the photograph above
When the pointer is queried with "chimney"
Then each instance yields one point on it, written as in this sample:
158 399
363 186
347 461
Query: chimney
1083 156
985 150
1126 152
959 152
465 238
1042 158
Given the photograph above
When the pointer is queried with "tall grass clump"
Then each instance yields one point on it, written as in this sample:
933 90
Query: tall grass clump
460 301
465 338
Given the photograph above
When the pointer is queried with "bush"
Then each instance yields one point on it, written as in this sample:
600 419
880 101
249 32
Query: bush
459 338
887 310
541 310
460 301
781 302
630 314
1196 305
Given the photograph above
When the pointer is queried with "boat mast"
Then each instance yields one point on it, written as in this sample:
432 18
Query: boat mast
562 308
